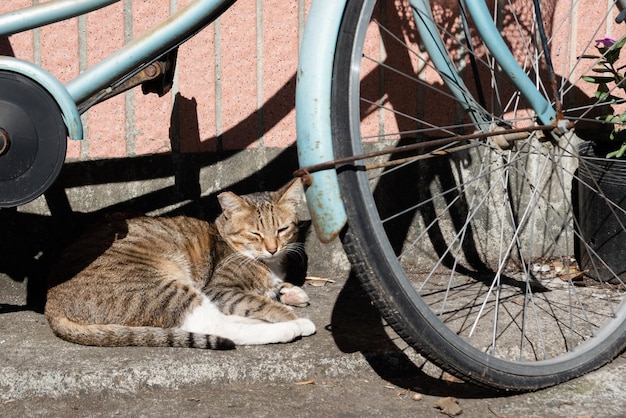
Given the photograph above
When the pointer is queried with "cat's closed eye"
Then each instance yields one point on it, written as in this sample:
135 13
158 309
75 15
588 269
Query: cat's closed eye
255 234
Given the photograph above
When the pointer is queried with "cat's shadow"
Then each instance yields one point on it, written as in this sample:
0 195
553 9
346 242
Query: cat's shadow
357 326
298 261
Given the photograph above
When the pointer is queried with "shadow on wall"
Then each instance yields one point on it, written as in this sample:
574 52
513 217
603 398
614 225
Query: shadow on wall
5 47
30 242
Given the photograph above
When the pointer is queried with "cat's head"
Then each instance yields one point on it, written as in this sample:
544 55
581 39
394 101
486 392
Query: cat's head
260 225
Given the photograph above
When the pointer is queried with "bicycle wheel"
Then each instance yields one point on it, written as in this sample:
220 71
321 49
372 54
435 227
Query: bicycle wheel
473 248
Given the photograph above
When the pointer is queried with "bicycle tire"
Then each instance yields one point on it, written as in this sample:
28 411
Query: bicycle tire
439 252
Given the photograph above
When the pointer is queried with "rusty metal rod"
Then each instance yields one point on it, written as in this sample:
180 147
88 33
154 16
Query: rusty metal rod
412 147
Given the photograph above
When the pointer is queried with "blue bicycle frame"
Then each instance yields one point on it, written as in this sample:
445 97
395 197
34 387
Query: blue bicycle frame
314 77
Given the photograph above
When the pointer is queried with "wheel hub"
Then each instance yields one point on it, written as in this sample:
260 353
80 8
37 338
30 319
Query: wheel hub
33 139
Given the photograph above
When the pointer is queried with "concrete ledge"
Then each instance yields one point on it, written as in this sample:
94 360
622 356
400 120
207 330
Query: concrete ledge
34 362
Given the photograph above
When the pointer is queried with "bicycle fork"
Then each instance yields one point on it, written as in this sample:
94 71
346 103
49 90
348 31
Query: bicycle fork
313 119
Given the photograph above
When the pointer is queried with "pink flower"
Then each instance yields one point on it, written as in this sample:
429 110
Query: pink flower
605 42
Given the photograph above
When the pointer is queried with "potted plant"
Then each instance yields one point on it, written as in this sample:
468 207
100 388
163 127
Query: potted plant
608 76
602 171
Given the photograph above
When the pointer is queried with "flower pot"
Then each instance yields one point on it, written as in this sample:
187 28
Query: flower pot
602 245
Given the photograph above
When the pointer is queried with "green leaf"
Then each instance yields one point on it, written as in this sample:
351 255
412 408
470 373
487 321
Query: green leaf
619 44
602 70
605 118
619 153
605 97
597 80
617 119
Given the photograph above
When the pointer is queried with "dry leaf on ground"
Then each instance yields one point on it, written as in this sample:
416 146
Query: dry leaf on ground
318 281
305 382
449 406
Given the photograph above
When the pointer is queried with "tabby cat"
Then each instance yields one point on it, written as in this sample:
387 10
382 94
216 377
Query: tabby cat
181 281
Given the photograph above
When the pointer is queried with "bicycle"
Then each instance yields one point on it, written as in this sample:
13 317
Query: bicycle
463 282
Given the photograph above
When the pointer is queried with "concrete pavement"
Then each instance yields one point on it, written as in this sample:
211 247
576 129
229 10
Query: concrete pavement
351 367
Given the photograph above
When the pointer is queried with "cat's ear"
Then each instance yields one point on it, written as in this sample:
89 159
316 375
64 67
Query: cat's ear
291 192
230 203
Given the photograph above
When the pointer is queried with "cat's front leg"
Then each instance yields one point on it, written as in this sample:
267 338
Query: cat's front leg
207 319
293 295
235 302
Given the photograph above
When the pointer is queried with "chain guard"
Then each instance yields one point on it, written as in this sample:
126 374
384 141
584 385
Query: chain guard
33 139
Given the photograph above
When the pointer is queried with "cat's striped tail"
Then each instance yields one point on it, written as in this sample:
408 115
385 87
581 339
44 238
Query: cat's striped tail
111 335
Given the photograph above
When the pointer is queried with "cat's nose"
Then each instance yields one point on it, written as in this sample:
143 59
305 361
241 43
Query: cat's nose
272 250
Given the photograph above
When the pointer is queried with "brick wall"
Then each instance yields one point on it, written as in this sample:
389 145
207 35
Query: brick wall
235 82
234 85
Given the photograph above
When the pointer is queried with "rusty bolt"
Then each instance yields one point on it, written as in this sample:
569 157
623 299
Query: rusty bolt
152 70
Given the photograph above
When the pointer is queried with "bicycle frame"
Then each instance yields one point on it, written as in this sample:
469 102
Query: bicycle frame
491 36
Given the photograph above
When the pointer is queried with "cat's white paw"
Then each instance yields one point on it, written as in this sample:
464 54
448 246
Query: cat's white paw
307 327
285 332
294 296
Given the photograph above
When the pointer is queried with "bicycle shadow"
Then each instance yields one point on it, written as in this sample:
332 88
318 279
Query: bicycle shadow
5 47
357 326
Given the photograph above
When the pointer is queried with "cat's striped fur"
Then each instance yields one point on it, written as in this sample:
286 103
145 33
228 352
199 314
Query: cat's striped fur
181 281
